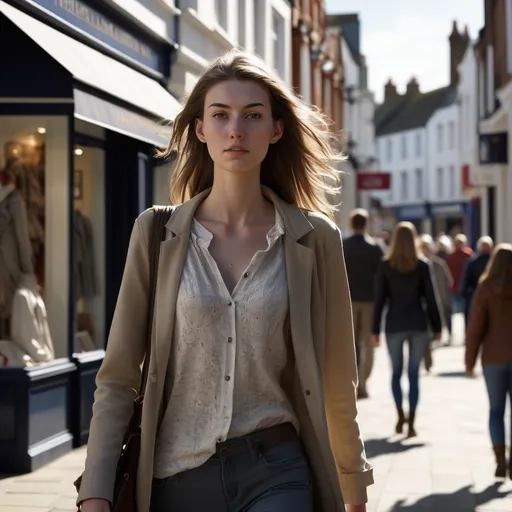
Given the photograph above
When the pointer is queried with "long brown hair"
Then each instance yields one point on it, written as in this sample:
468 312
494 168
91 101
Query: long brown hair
499 267
299 167
403 252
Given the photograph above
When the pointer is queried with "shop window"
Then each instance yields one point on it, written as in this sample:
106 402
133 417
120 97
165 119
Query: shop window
34 251
404 185
89 248
440 182
419 184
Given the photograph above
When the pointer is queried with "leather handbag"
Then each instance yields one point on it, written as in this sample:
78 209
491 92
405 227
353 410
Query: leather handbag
125 499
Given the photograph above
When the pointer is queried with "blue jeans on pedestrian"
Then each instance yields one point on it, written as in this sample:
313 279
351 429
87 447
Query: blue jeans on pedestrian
498 380
241 478
418 341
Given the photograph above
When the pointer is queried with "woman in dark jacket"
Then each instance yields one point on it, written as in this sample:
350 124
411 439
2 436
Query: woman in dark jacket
490 328
404 284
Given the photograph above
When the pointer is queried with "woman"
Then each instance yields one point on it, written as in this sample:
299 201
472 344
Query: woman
490 327
254 359
404 284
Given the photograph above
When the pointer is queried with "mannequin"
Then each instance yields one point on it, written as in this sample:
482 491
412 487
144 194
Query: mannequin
15 248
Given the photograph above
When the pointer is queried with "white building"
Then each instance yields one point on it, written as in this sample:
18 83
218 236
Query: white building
209 28
417 143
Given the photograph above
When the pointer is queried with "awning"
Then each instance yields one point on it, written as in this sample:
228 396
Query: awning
92 68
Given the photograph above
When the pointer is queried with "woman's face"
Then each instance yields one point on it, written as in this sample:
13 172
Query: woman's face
237 125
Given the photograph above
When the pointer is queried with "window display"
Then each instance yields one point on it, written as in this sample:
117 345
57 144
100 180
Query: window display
89 248
24 332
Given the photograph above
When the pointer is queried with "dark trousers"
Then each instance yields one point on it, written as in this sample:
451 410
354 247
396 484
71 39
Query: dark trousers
240 477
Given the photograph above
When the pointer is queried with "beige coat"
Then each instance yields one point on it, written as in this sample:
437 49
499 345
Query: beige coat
322 388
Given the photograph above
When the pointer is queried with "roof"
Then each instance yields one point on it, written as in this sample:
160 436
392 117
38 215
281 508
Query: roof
402 114
351 28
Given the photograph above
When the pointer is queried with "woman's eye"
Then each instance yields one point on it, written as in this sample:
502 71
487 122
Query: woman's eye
254 115
219 115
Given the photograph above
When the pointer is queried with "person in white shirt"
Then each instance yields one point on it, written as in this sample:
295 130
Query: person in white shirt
251 404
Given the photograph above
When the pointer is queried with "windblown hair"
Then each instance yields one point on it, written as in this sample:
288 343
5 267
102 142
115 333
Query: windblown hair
499 267
403 252
299 167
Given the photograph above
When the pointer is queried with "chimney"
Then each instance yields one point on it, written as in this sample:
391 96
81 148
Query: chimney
459 42
390 92
413 88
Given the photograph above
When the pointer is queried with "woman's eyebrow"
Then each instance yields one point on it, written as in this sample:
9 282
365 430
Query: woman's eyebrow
223 105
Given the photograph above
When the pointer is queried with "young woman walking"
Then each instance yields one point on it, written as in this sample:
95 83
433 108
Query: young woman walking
404 284
253 363
490 328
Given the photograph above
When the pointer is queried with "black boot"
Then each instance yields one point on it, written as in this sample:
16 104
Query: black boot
412 417
501 461
401 421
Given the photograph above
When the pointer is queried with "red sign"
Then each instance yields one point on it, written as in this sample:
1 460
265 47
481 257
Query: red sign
466 178
373 180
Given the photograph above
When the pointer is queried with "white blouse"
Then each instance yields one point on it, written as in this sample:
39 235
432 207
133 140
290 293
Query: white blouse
228 355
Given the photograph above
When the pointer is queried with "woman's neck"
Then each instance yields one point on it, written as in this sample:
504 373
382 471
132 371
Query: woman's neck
236 200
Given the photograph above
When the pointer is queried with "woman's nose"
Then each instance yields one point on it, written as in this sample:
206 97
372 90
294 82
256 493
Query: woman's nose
236 129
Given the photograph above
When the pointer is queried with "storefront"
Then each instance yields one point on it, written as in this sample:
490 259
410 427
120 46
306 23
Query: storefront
449 218
418 214
78 129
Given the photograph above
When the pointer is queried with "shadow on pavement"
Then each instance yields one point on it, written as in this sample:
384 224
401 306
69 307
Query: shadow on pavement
462 500
456 375
377 447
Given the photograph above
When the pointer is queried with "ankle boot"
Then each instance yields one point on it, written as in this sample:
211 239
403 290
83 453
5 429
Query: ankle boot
501 461
412 417
401 421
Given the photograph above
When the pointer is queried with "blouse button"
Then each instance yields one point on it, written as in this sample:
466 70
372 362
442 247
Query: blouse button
308 392
230 303
230 339
246 275
227 377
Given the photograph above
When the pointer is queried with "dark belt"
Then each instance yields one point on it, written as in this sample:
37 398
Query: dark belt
262 439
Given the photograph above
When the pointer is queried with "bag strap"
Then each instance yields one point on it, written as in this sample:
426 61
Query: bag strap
161 215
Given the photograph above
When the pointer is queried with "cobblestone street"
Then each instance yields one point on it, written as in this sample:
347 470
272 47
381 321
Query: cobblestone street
448 468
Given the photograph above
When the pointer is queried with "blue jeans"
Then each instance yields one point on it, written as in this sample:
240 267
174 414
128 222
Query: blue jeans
242 478
498 380
418 341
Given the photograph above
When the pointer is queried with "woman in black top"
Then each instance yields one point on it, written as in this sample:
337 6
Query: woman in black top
405 286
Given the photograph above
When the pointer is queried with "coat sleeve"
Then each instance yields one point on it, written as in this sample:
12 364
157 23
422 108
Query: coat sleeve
340 383
119 376
431 297
477 327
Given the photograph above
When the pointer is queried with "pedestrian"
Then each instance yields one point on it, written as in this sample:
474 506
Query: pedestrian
444 245
443 281
251 404
404 284
472 271
489 329
362 258
456 261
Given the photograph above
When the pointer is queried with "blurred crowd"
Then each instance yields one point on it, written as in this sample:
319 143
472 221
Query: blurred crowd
406 287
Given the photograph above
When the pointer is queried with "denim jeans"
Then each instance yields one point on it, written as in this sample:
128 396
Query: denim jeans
243 478
418 341
498 380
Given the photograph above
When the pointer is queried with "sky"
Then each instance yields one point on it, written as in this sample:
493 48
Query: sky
404 38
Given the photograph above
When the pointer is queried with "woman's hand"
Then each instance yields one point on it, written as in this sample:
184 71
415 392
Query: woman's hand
375 339
95 505
355 508
438 336
470 372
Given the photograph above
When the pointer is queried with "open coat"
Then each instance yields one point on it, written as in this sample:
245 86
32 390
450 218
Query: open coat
322 388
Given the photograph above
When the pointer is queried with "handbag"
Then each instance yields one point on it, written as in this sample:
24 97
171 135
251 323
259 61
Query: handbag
125 499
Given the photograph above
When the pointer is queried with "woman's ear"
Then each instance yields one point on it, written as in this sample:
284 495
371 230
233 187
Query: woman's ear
199 130
277 132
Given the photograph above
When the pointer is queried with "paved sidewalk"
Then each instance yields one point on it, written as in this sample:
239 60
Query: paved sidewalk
449 467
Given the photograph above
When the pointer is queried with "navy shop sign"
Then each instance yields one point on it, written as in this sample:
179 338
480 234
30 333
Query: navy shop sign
86 18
